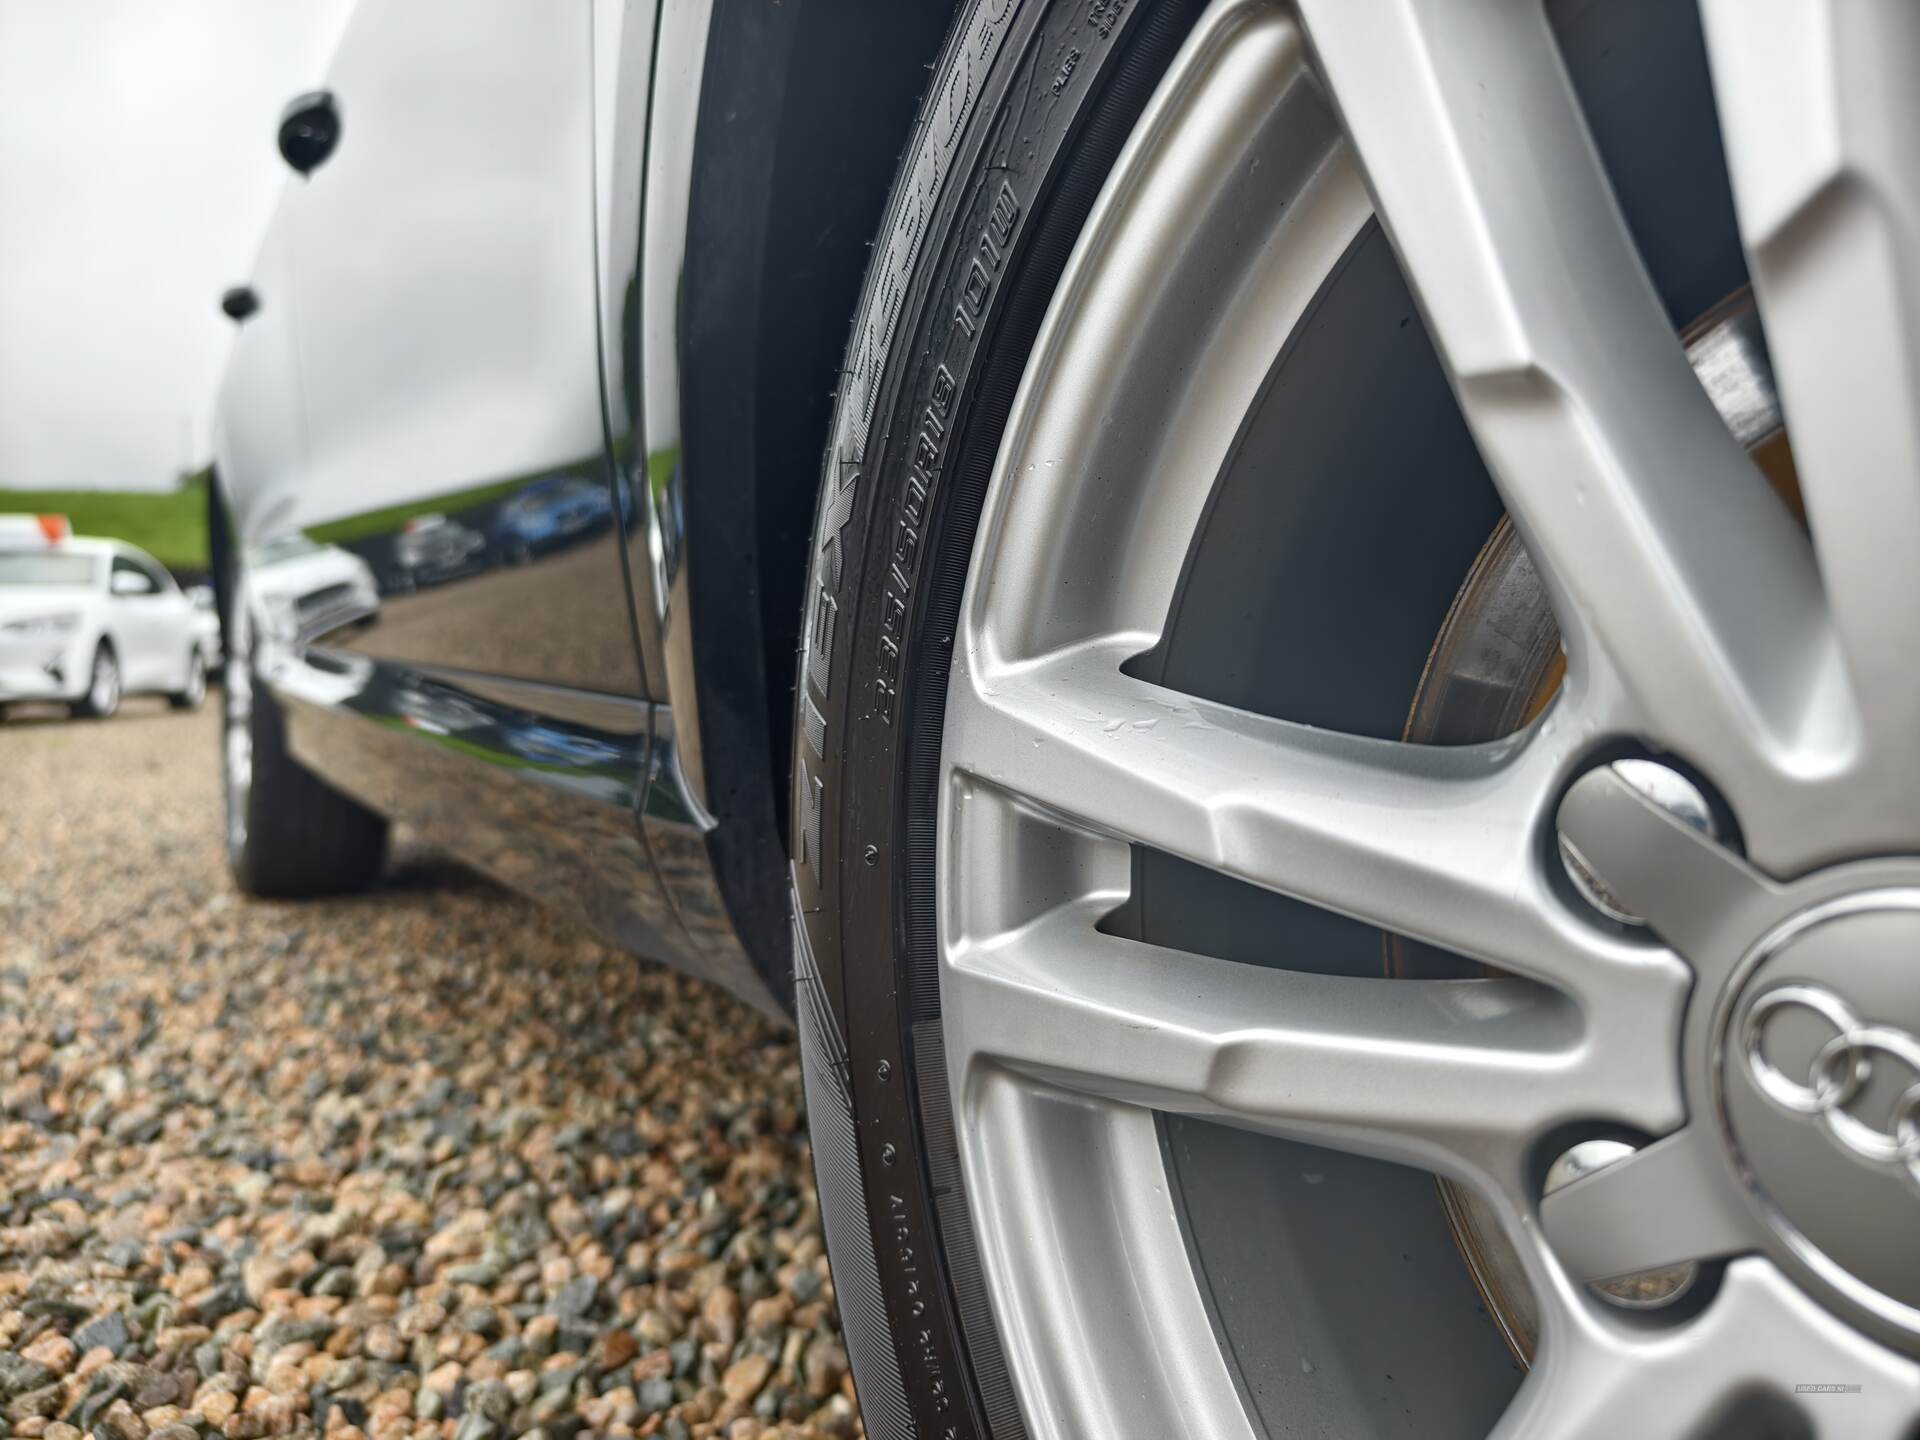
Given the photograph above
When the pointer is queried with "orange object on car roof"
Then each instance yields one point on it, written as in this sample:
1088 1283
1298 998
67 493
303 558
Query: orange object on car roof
50 528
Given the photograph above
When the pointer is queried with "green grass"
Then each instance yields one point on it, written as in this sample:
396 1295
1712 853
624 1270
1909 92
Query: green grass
170 526
660 465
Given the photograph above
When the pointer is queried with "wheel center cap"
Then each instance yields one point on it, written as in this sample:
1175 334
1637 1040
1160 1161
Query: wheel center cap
1816 1072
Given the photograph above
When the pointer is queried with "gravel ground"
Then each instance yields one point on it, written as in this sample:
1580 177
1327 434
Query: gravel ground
428 1163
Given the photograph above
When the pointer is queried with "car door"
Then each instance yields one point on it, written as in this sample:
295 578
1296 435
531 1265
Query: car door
417 382
138 621
175 633
435 280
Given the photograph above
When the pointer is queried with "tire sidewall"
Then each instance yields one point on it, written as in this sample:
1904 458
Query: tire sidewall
1028 109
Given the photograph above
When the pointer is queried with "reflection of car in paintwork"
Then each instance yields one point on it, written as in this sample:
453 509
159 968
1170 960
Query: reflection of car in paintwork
437 709
550 512
330 679
300 587
86 621
432 548
550 745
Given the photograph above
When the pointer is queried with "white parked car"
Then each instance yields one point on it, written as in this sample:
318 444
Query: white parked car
86 621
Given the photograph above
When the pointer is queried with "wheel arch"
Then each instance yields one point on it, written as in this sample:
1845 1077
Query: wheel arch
791 171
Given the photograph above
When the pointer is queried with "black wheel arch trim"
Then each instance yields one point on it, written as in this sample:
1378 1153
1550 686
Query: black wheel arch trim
792 166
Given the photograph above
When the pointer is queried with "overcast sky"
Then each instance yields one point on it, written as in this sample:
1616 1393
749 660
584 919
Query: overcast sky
137 174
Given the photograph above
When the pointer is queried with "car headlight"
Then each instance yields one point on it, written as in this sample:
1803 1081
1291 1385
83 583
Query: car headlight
35 625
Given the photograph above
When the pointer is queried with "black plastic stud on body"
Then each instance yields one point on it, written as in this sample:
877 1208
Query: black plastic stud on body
309 130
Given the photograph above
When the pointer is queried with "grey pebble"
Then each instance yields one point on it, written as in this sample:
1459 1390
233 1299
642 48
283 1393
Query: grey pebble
19 1375
575 1298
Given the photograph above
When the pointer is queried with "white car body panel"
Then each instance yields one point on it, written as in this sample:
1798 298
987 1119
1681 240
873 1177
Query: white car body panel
427 316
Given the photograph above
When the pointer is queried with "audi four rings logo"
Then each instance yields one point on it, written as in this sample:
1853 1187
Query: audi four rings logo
1838 1072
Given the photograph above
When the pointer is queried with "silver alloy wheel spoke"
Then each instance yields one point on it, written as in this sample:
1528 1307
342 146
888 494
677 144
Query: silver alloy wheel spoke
1691 890
1760 1338
1660 1206
1452 1076
1437 843
1089 1227
1822 123
1236 152
1700 599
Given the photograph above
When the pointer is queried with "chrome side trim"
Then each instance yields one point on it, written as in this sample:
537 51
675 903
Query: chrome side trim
650 450
554 793
676 828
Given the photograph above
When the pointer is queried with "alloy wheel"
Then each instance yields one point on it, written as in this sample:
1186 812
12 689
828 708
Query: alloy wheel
196 687
103 690
1747 1047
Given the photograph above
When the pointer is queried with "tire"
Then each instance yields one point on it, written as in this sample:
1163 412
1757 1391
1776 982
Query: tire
196 688
289 834
102 699
1029 107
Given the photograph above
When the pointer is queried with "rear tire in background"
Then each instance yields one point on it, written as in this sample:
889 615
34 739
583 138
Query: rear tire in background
289 834
1028 110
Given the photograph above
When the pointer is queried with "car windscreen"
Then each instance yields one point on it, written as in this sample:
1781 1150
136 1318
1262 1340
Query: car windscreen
37 567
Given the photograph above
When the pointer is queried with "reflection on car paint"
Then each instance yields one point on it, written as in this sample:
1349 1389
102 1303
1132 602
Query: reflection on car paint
472 581
420 384
550 513
545 805
302 590
432 548
461 418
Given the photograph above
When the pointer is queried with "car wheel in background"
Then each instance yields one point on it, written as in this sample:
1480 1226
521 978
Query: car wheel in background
1204 1036
195 690
289 833
103 685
